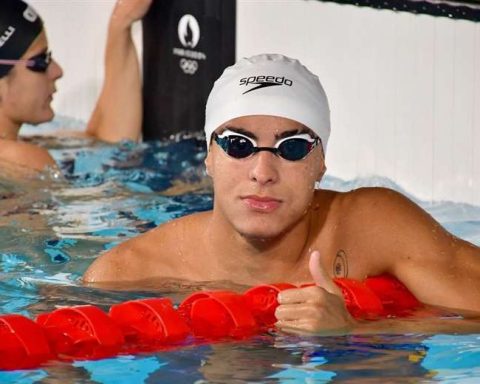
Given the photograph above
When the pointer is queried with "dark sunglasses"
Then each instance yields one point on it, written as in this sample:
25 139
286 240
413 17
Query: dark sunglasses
37 63
292 148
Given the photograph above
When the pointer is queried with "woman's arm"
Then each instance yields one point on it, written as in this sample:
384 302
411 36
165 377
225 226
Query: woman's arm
118 112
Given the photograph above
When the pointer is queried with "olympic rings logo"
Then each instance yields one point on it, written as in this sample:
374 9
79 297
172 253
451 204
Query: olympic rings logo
189 67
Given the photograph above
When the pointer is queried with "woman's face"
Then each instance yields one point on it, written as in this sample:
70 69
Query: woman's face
25 95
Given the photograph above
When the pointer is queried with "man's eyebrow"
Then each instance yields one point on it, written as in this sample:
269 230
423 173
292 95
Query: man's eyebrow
240 130
292 132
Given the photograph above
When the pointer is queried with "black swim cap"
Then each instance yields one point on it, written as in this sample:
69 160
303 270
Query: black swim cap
19 27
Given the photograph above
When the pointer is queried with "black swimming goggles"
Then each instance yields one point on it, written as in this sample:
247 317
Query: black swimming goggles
292 148
37 63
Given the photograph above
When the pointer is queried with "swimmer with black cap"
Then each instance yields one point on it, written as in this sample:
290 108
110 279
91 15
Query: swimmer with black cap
267 128
28 76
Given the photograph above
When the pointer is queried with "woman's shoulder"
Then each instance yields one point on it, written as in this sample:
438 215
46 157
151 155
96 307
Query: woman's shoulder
25 154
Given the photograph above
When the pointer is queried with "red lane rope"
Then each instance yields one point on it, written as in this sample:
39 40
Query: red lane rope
145 325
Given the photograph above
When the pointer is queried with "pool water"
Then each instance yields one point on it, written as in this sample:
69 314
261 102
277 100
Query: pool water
52 228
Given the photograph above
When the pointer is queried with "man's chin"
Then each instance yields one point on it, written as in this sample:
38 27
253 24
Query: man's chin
261 235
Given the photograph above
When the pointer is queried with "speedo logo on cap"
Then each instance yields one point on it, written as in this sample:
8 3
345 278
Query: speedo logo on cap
264 81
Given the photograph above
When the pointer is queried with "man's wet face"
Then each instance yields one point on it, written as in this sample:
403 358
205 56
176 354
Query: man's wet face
263 195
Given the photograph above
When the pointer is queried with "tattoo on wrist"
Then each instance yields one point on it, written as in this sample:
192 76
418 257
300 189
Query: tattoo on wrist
340 264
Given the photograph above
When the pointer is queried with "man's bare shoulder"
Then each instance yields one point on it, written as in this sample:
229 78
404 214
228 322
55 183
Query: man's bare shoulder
379 210
357 201
154 253
373 227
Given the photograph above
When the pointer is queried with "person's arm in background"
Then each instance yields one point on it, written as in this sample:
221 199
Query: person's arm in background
118 112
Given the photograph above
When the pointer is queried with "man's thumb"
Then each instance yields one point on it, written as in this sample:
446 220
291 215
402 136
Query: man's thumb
320 275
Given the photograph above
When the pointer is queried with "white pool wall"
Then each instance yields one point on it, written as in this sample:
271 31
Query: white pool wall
404 89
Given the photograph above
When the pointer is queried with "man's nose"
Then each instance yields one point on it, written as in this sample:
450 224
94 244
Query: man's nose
264 168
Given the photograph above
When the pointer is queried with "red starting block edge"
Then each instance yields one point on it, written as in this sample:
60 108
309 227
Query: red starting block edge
146 325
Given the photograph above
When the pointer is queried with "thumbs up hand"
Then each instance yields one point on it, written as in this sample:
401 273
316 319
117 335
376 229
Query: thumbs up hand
315 308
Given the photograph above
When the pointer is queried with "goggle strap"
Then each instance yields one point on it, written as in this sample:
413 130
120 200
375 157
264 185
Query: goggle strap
13 62
45 59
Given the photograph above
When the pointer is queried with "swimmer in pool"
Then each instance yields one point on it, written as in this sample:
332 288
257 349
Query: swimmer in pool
28 74
267 129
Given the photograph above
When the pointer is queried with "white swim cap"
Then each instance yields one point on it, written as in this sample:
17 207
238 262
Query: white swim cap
269 84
